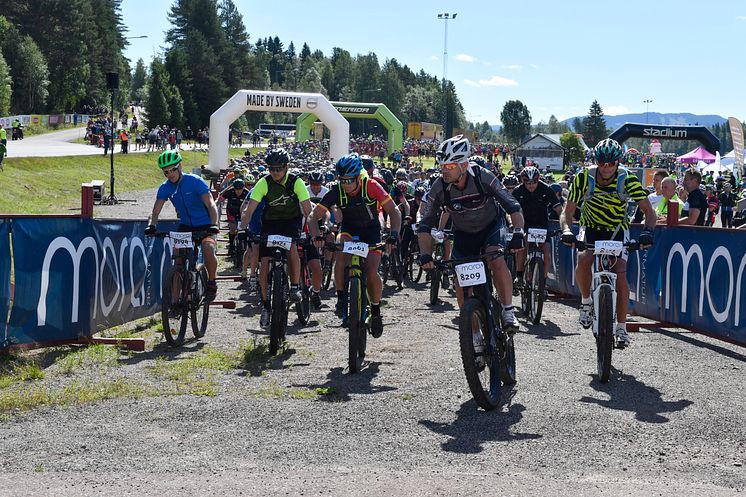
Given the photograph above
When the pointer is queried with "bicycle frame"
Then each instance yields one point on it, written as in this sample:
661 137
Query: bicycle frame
602 276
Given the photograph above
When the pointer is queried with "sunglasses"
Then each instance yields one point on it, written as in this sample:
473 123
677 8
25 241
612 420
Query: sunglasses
276 169
450 166
533 182
170 169
607 164
348 181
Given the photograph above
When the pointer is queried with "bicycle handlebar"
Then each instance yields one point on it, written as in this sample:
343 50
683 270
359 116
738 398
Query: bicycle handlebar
464 260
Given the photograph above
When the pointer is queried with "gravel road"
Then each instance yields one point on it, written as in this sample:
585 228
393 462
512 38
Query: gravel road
672 421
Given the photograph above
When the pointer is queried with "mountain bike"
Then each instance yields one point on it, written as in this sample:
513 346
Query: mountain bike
603 293
410 255
278 287
184 287
487 351
356 311
239 247
439 275
534 284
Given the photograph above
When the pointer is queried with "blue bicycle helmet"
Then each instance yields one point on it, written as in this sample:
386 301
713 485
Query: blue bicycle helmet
329 176
349 165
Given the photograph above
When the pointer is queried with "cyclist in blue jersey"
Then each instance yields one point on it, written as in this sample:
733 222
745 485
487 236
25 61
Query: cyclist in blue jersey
195 207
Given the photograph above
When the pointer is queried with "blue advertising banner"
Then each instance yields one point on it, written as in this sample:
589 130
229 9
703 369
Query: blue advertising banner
4 277
692 277
75 277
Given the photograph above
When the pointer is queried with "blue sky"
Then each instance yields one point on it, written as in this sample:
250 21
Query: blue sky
556 57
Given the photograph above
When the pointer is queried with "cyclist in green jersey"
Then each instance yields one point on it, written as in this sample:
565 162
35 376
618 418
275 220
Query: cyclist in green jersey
603 190
287 203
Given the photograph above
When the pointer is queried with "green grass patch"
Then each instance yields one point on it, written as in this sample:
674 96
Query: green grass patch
14 369
271 390
76 393
99 355
38 129
44 185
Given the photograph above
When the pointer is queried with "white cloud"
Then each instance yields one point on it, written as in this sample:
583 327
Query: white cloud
512 67
433 57
535 66
486 64
469 82
741 18
498 81
462 57
615 110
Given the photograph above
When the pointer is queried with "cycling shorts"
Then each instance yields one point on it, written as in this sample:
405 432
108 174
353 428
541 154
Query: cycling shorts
471 244
590 235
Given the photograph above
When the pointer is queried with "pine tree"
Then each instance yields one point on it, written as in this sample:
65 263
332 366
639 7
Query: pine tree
594 125
157 103
138 79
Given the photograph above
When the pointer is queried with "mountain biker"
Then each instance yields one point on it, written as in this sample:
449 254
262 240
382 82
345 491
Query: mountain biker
468 193
603 189
195 208
535 197
358 197
287 203
234 197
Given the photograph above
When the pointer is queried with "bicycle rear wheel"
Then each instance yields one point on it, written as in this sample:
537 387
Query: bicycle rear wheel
481 368
278 314
174 309
357 336
385 268
238 250
605 337
434 285
199 306
537 284
303 308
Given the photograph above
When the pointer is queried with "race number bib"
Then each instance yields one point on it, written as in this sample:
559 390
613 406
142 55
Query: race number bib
437 235
181 240
608 247
471 273
280 241
356 248
537 235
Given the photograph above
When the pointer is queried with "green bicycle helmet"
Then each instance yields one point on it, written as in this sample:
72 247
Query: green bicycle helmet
169 158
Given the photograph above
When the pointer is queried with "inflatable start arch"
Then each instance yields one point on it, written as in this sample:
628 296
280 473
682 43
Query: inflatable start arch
275 101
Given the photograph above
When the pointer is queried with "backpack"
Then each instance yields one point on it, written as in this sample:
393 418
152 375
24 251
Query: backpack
621 190
343 200
476 172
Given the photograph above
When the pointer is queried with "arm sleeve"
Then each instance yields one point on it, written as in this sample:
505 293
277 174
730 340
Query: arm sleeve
577 189
300 190
260 190
634 188
498 191
376 192
331 198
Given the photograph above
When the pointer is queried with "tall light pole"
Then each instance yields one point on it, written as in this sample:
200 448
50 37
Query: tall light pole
112 83
445 16
647 103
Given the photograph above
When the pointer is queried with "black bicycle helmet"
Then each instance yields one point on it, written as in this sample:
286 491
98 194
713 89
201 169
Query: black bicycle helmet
239 183
510 181
315 177
277 157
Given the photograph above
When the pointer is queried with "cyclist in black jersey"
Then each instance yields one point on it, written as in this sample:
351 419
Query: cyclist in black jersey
234 197
535 197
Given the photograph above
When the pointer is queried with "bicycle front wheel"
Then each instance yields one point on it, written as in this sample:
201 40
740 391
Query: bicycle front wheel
278 314
174 307
327 272
481 366
199 306
397 269
537 285
357 336
605 337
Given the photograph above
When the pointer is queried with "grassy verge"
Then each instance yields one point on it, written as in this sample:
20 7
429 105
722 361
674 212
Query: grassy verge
36 129
51 185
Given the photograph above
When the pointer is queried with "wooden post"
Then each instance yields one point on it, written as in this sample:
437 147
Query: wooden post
86 200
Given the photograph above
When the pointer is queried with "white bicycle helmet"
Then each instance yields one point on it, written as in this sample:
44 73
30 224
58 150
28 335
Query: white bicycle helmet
454 150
